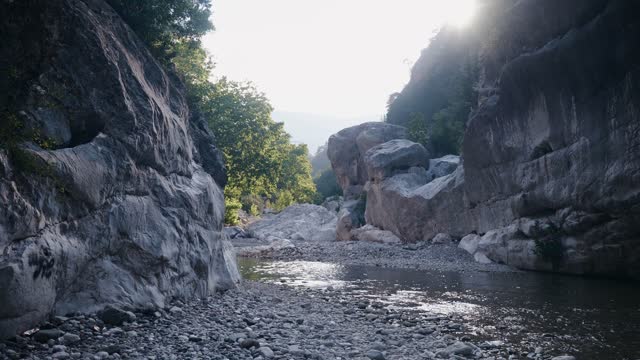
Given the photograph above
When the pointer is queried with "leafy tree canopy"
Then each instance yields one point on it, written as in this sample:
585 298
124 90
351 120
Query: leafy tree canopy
161 22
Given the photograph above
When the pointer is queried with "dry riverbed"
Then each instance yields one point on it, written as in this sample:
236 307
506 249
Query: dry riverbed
275 320
420 256
265 321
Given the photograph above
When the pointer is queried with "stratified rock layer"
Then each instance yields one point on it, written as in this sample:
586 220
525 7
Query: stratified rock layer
118 203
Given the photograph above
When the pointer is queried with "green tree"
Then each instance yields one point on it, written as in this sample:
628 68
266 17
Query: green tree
160 23
417 129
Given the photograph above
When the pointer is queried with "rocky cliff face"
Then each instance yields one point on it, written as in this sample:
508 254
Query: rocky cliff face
110 198
551 156
556 143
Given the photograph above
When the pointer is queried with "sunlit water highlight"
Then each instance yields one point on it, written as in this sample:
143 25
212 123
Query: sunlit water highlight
593 318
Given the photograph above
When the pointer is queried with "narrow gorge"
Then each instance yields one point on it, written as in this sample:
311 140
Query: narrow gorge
154 208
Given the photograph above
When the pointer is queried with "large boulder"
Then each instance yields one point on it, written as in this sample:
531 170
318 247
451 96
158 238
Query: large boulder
416 208
384 160
346 151
305 222
118 198
442 166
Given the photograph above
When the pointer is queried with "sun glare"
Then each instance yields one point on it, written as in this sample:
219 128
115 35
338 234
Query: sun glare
460 12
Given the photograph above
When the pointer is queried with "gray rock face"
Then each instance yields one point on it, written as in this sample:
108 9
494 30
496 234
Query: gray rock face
416 209
333 203
557 150
551 171
442 166
297 222
383 160
373 234
123 208
350 217
469 243
235 232
347 148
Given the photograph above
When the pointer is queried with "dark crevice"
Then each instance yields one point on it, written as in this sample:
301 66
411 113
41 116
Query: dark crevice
541 150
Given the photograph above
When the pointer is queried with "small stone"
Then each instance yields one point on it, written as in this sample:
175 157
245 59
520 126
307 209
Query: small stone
375 355
44 336
265 352
457 348
563 357
442 238
176 310
112 349
115 316
114 331
295 350
102 355
194 338
249 343
59 348
61 355
69 338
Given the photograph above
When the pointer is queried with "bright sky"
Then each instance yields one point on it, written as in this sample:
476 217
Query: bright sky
334 57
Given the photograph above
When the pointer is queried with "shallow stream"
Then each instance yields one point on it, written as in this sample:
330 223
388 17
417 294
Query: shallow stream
589 318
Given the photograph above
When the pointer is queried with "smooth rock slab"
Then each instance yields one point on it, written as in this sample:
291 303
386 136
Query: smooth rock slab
297 222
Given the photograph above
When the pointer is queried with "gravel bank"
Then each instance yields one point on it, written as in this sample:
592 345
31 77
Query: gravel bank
265 321
422 256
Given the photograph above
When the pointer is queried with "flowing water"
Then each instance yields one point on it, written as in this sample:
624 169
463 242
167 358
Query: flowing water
590 318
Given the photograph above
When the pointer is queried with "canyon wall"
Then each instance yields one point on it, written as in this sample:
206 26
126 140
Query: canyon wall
549 176
110 186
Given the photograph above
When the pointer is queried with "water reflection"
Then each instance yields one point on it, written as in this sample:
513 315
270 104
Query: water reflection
589 317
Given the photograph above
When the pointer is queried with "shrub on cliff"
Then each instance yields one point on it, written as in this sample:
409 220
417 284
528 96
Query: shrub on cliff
326 185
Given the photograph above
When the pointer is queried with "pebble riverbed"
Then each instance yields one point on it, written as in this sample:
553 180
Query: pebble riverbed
264 321
420 256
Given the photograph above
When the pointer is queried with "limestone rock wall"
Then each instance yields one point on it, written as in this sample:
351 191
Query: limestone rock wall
557 140
550 171
112 198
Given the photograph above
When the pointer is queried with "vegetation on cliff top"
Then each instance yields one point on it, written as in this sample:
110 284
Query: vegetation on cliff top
263 167
436 103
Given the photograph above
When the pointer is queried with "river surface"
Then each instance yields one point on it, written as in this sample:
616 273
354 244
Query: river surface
589 318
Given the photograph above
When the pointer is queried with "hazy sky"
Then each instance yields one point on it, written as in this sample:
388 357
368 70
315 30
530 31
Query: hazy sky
334 57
